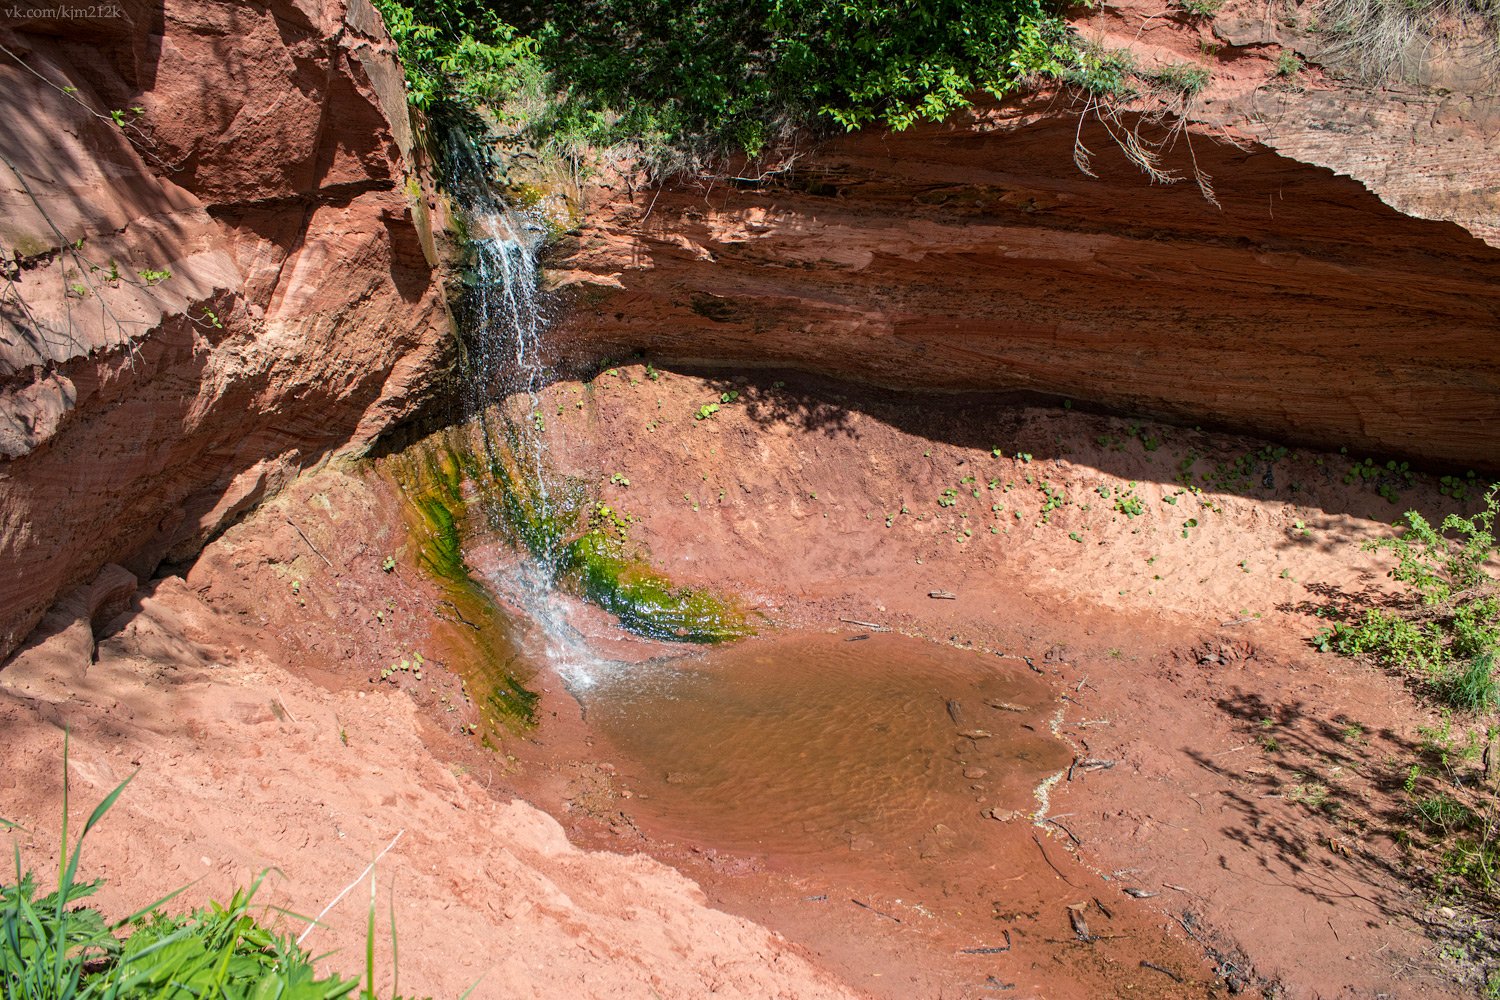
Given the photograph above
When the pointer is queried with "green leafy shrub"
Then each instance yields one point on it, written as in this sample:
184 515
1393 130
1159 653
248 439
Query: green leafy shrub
1450 631
458 55
706 77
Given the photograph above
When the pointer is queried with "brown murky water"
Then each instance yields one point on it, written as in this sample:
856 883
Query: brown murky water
846 793
817 744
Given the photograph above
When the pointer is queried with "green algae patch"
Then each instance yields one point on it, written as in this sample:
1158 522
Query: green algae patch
586 548
481 477
484 650
603 571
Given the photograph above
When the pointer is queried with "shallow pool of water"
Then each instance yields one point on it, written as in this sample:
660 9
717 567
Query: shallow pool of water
829 744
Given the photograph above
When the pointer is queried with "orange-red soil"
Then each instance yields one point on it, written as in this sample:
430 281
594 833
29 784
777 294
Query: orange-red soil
263 736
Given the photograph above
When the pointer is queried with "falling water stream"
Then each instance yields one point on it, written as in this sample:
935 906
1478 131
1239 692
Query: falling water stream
505 318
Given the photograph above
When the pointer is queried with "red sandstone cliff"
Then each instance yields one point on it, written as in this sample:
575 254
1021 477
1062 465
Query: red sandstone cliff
1340 292
266 160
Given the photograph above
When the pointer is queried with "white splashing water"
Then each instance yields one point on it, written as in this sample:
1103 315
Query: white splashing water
506 370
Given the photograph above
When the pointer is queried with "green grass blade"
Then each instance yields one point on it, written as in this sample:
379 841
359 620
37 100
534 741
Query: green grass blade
65 866
370 944
138 914
395 953
283 911
103 807
62 850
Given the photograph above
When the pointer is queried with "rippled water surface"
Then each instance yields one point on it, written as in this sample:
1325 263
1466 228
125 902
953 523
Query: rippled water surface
827 744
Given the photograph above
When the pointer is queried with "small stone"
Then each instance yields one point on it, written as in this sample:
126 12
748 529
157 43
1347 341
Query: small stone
975 772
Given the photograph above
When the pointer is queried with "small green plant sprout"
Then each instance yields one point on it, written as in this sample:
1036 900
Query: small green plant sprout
78 290
1075 536
1200 8
1024 457
706 411
1188 525
154 277
997 453
388 564
296 587
212 318
1288 63
619 480
1052 499
411 665
652 373
949 498
117 116
1130 505
729 397
1456 487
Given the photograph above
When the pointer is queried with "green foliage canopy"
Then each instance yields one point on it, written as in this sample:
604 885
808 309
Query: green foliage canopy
719 75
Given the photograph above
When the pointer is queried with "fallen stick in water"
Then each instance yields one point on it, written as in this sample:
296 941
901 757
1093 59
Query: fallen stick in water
1166 972
995 950
1039 847
878 913
869 625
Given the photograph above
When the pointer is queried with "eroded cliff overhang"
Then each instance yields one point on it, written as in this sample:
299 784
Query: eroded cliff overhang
975 255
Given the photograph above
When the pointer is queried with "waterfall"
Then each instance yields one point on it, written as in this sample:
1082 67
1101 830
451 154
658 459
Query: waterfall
504 317
560 533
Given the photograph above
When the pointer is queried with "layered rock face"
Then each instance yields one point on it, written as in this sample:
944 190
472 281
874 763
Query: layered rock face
219 271
974 255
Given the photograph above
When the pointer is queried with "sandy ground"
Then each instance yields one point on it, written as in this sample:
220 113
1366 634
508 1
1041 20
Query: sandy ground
1257 781
244 763
247 695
